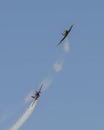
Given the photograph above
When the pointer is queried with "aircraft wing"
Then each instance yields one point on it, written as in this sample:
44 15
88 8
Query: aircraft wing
33 96
61 40
40 88
70 28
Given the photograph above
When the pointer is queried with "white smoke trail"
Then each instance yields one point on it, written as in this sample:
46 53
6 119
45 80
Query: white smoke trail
24 117
66 46
46 83
58 66
28 97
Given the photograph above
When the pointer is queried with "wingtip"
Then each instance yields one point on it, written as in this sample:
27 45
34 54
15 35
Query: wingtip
73 24
58 44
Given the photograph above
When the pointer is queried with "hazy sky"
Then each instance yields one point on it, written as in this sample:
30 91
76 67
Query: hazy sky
29 32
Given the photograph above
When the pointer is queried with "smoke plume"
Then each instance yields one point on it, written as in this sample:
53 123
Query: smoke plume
24 117
66 46
58 66
28 97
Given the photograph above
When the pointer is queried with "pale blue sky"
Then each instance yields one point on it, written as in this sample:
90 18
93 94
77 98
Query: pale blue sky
29 32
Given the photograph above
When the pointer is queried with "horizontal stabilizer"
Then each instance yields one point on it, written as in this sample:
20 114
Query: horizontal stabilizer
32 96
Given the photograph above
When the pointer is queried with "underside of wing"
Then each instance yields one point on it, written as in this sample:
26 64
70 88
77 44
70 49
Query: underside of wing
70 28
33 96
61 40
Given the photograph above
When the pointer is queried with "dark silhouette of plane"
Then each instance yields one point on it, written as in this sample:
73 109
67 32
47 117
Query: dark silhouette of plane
66 32
37 94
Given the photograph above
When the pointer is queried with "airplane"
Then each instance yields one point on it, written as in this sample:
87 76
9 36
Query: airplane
37 94
66 32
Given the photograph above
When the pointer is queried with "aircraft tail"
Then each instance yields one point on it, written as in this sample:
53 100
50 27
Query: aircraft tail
32 96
